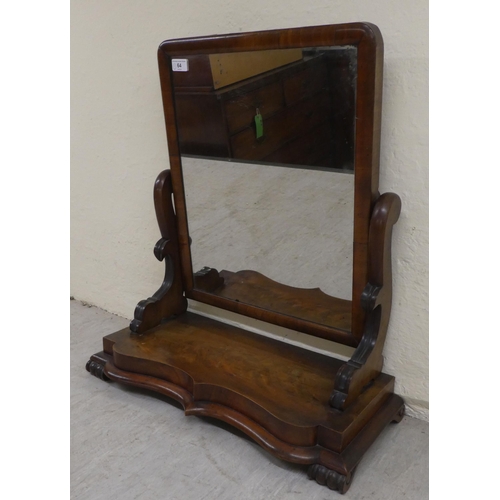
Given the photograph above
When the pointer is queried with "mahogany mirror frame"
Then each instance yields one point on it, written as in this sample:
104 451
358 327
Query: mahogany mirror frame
367 39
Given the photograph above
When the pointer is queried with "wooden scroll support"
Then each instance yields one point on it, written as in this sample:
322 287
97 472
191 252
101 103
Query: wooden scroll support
168 299
367 361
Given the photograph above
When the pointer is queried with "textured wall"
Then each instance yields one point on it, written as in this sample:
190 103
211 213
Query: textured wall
119 146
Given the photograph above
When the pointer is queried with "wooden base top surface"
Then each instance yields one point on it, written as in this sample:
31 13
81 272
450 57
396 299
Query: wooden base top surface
281 387
292 382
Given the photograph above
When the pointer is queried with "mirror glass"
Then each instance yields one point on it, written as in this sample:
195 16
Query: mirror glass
267 146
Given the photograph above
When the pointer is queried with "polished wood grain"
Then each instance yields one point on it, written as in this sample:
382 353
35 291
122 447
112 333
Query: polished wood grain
282 387
184 240
367 361
251 287
168 300
366 161
277 394
271 316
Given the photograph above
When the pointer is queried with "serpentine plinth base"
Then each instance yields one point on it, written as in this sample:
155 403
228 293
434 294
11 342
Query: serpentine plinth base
275 393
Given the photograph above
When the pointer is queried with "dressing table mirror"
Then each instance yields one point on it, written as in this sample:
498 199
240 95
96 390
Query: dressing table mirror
270 209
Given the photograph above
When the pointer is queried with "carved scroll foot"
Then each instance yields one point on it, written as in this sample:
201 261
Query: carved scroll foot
96 369
330 478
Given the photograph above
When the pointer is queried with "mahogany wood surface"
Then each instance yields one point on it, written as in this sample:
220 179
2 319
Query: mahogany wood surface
367 361
251 287
279 388
262 314
169 298
275 393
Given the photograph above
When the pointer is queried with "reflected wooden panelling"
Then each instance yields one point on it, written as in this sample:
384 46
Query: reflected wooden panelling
292 100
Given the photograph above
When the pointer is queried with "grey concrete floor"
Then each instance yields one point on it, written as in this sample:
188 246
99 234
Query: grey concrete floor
128 444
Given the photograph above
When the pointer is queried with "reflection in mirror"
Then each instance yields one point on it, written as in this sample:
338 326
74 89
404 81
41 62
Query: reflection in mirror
291 226
272 237
293 106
